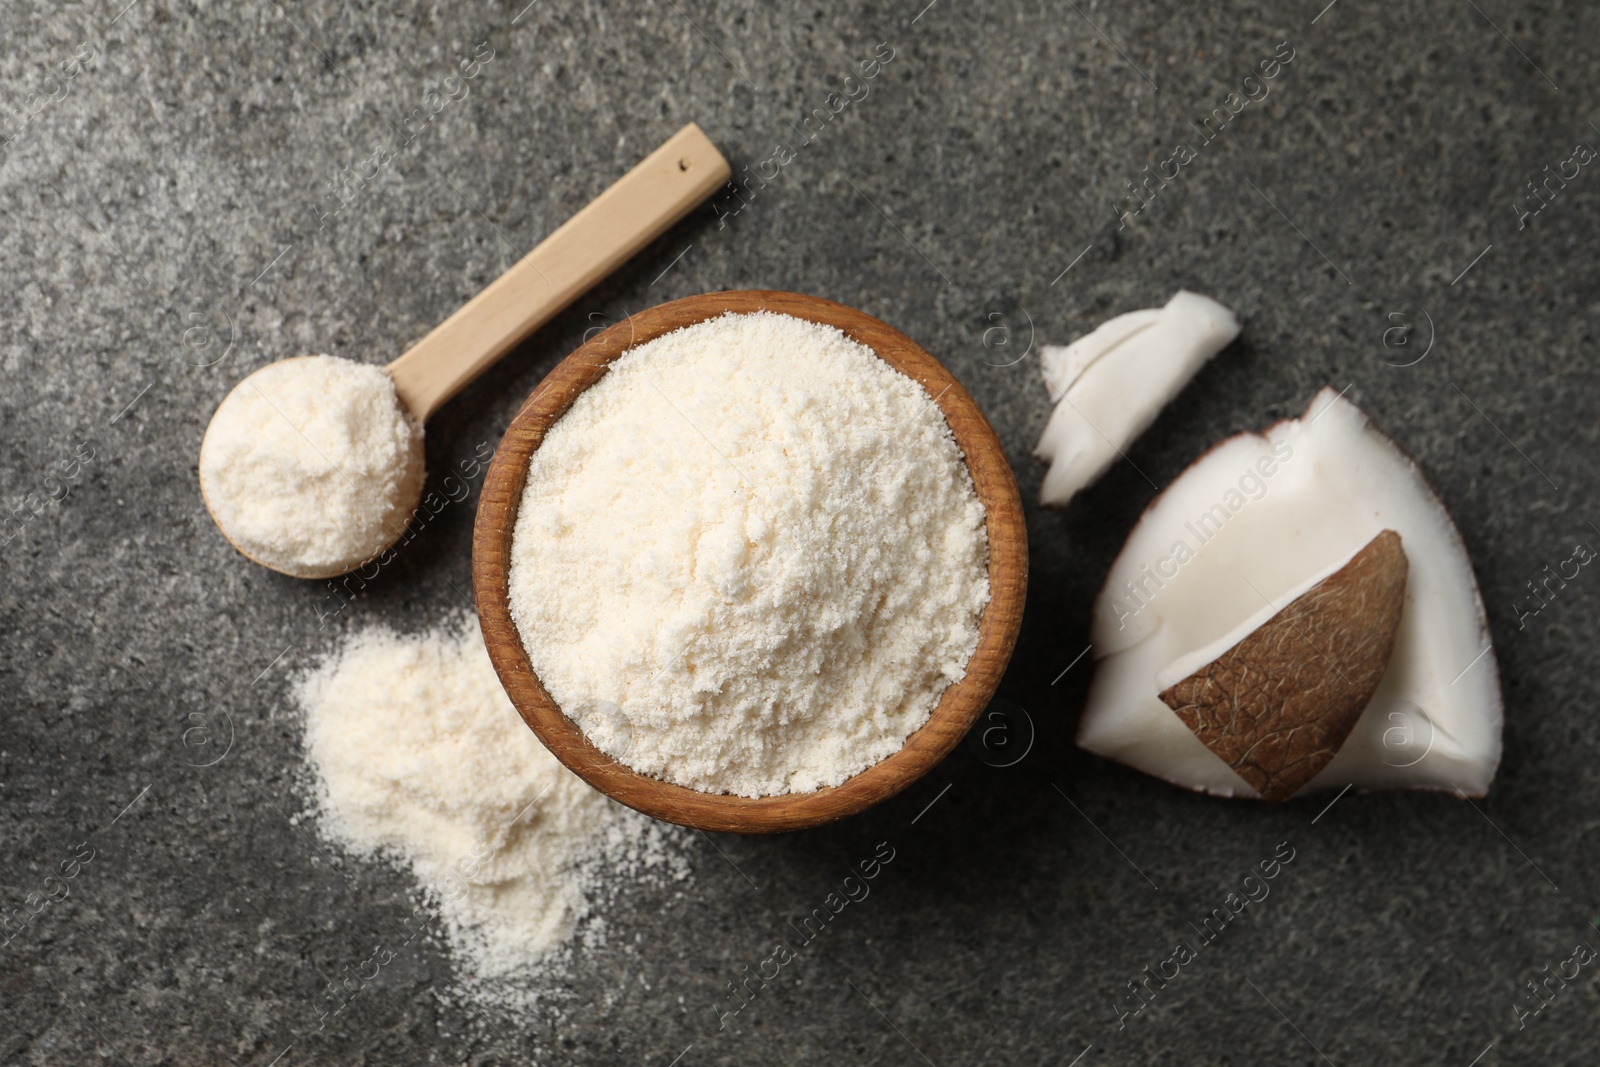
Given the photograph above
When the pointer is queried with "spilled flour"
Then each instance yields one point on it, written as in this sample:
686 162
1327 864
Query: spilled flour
421 758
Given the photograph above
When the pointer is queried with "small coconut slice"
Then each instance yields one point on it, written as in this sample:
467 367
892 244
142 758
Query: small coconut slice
1061 365
1111 384
1278 704
1247 529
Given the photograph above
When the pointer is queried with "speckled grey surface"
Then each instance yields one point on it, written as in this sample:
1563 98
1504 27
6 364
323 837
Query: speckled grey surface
167 225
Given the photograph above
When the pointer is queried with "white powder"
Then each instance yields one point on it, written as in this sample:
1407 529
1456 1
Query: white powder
312 465
750 558
422 758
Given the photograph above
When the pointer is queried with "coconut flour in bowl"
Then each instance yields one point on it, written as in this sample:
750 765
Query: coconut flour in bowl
750 558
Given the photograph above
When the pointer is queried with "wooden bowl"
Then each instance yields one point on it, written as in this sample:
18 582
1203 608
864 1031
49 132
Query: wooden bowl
961 703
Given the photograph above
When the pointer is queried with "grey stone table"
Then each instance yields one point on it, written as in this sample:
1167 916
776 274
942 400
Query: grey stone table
188 191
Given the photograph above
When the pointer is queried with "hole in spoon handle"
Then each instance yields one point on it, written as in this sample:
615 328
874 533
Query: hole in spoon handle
635 210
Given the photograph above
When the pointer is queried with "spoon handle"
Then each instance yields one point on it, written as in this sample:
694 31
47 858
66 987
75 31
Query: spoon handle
637 209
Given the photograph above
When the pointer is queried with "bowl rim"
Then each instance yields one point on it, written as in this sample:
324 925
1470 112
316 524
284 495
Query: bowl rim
958 707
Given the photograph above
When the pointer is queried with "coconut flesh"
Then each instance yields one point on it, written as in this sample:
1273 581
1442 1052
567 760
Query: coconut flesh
1250 529
1109 385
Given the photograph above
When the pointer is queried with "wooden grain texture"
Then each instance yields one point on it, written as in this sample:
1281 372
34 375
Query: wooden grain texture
961 703
636 209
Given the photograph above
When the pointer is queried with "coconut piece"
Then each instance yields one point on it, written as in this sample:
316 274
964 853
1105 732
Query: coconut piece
1061 365
1229 543
1278 704
1111 384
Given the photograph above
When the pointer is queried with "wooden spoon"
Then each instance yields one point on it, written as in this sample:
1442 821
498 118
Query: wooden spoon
634 211
957 709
